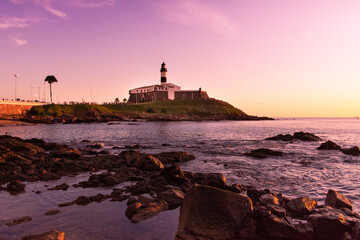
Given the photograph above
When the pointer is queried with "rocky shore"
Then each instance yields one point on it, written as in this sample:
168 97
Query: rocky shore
210 208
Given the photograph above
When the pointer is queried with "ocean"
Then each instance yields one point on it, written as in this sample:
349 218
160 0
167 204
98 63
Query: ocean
217 146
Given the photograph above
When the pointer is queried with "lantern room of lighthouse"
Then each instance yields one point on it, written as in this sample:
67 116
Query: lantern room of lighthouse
163 72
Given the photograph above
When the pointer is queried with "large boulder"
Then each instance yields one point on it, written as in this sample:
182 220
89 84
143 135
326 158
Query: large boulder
174 175
210 179
51 235
331 224
305 136
337 200
212 213
354 151
301 206
329 145
269 199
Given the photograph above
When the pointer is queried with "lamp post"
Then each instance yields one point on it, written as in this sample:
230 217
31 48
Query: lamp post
16 77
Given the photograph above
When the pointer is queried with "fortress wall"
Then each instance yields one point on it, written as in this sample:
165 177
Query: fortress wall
14 110
190 95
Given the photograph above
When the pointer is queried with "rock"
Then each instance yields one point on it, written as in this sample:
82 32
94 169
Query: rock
174 157
297 135
212 213
330 224
66 153
15 187
19 220
137 212
301 206
329 145
263 153
63 187
141 160
337 200
52 212
82 201
211 179
269 199
173 197
100 180
173 175
51 235
97 145
354 151
306 136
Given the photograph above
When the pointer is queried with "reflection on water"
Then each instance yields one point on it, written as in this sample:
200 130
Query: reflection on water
218 146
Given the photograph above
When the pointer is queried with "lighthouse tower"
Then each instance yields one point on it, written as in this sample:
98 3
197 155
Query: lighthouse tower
163 72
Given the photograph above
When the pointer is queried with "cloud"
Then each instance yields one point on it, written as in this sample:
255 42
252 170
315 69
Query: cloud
20 42
194 13
47 5
14 22
90 3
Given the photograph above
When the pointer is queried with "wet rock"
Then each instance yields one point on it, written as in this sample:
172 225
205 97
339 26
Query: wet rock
100 180
174 175
269 199
141 160
271 226
51 235
52 212
138 211
354 151
301 206
63 187
331 224
210 179
174 157
82 201
173 197
281 137
212 213
66 153
306 136
337 200
97 145
15 187
263 153
135 146
19 221
329 145
303 136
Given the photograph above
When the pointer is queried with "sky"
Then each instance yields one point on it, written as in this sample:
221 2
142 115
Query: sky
276 58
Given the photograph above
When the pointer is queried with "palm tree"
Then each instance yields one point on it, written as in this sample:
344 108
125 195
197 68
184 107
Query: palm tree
117 100
50 79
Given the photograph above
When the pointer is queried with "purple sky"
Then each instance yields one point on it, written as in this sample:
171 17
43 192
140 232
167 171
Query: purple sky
279 58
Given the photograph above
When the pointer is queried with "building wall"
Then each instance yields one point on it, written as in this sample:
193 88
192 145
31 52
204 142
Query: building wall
148 96
191 95
14 110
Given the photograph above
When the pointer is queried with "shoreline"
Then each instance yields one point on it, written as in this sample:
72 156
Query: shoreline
5 122
160 177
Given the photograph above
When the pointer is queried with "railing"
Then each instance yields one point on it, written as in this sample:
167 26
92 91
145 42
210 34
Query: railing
21 102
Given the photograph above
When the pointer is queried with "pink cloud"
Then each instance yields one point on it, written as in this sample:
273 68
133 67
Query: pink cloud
90 3
20 42
194 13
14 22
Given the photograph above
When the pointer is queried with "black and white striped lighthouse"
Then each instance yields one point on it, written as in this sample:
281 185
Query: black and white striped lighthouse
163 72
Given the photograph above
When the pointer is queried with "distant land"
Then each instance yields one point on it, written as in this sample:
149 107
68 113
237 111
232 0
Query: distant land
175 110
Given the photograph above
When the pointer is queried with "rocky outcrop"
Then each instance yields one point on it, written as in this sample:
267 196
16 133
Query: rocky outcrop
51 235
329 145
141 160
354 151
174 157
144 208
63 187
15 187
303 136
173 196
212 213
337 200
301 206
263 153
19 221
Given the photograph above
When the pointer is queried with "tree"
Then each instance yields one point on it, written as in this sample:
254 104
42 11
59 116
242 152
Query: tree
124 100
50 79
117 100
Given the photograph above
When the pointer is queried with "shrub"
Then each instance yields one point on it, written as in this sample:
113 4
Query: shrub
163 110
150 110
36 111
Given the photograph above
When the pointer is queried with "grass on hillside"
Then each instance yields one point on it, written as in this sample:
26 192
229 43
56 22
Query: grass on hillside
206 107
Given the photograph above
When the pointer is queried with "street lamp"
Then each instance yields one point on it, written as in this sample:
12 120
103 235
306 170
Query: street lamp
16 77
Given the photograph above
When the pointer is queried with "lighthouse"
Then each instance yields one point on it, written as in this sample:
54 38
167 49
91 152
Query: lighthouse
163 72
